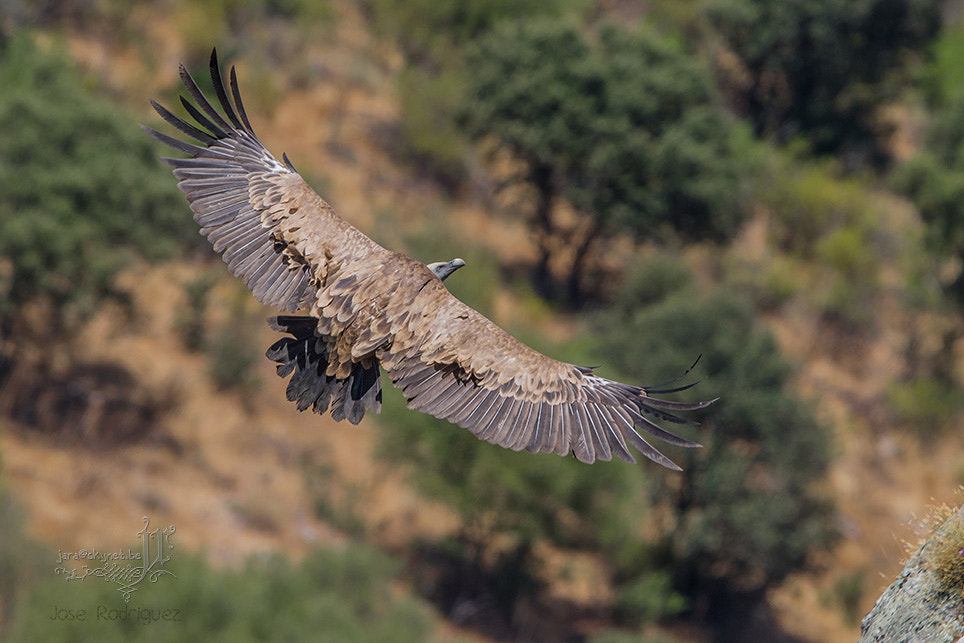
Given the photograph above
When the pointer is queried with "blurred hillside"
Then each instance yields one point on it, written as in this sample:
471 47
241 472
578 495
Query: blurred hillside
774 187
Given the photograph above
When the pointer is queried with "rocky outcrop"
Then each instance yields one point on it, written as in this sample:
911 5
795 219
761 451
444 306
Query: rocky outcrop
926 602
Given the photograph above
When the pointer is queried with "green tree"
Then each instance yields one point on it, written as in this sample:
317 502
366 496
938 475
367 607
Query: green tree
819 68
621 125
81 193
746 511
431 36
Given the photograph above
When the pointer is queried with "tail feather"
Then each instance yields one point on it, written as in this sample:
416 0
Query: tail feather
304 356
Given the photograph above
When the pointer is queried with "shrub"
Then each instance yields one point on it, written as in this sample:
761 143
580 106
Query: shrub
190 322
333 594
81 190
726 533
232 350
925 404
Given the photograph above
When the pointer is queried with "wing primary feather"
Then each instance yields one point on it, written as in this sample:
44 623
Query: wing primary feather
183 126
214 218
594 434
663 415
663 391
205 121
201 100
644 447
256 277
188 148
244 256
244 215
218 83
180 163
207 187
656 430
287 161
231 231
676 406
204 168
661 388
236 92
238 251
284 293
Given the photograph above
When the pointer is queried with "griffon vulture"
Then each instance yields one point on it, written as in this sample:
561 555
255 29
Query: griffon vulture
369 307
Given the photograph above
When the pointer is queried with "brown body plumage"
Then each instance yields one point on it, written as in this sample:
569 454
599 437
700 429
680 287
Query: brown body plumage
368 306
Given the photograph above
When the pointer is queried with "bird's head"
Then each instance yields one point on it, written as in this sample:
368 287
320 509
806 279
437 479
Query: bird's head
443 269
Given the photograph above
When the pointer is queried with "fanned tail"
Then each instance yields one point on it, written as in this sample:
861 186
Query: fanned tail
304 356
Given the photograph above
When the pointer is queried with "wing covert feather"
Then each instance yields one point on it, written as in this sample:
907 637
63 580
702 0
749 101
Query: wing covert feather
269 226
452 362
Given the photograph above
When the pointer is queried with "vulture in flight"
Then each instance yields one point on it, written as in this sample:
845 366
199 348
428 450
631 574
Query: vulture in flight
368 307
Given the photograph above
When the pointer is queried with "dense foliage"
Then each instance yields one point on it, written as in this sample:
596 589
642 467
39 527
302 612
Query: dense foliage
81 190
821 68
331 595
727 533
621 125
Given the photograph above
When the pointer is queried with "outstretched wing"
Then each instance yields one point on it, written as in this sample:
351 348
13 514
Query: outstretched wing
453 363
366 303
271 229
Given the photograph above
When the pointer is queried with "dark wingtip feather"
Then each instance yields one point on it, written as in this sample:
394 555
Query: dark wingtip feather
192 87
236 92
183 126
215 130
661 388
222 95
284 157
180 146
